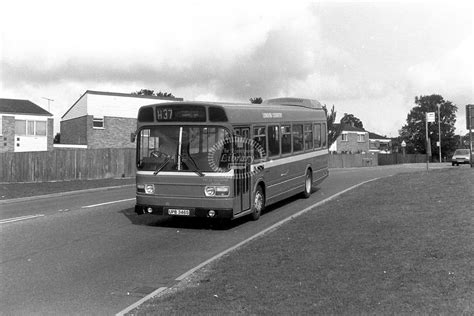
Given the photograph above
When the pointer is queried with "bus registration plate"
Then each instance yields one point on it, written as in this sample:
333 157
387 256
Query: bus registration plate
179 211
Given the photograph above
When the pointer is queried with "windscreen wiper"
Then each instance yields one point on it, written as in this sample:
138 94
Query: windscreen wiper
158 154
162 166
193 165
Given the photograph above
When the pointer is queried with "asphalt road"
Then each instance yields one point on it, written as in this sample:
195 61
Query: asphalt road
88 253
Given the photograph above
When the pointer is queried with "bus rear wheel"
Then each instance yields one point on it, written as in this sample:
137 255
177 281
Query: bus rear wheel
258 204
308 184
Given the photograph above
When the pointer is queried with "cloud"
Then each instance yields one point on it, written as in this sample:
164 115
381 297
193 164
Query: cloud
370 60
237 55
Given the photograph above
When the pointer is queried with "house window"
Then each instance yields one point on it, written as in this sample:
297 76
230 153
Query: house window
98 122
360 138
20 127
40 128
30 128
344 137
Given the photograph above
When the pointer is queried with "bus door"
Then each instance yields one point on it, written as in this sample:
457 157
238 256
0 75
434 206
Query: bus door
242 158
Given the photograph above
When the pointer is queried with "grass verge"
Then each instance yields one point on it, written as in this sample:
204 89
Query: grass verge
403 244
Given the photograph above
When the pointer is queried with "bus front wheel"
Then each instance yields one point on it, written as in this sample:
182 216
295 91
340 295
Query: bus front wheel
258 203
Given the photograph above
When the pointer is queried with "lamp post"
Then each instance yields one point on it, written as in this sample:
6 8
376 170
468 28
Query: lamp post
439 130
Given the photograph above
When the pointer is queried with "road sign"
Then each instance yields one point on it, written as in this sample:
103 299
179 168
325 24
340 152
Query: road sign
430 116
404 144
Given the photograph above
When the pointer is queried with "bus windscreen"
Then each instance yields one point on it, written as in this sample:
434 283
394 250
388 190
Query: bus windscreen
183 148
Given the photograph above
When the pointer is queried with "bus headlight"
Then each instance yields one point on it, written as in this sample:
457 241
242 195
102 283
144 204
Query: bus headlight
149 188
219 190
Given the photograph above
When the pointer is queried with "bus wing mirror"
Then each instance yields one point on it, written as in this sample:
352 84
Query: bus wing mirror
132 137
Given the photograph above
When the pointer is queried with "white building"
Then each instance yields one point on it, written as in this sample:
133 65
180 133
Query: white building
24 126
104 119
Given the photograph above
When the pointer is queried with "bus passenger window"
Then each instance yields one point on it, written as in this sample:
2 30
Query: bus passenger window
297 137
308 137
273 140
285 139
260 142
317 135
324 137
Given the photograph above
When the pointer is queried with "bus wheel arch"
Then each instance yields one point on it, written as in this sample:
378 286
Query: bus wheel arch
308 183
258 204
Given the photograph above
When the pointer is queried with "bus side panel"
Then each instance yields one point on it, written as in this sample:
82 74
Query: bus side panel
320 167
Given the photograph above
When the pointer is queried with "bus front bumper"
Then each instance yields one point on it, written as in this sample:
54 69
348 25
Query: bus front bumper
218 208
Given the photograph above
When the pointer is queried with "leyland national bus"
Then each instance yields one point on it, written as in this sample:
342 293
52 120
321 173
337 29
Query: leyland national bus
225 161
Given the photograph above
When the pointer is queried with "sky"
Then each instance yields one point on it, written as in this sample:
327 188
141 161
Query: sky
369 59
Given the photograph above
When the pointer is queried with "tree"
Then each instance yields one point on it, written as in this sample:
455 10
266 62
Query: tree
333 129
164 94
148 92
144 92
413 132
350 119
257 100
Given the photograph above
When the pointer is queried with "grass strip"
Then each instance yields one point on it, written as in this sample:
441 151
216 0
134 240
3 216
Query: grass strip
403 244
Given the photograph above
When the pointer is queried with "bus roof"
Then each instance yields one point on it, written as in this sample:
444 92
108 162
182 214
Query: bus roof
244 113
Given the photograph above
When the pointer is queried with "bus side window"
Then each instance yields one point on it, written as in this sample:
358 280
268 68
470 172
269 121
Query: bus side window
297 137
273 140
285 139
324 137
260 142
308 137
317 135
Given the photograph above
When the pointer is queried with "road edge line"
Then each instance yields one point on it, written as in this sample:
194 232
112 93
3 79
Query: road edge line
19 218
141 301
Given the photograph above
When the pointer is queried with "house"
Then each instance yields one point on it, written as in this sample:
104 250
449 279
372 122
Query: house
379 144
104 119
351 140
24 126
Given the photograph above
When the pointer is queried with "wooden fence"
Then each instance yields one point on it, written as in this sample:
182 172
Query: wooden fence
352 160
75 164
67 164
397 158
